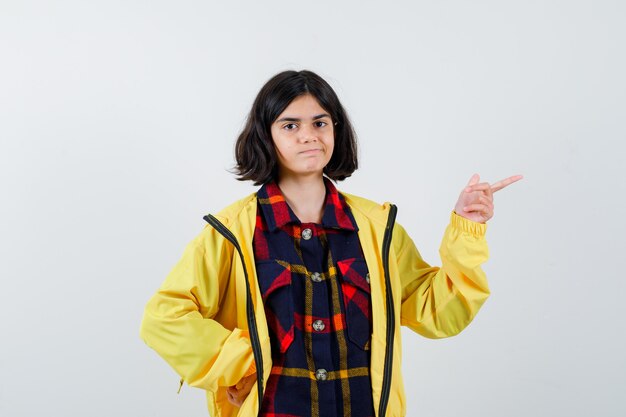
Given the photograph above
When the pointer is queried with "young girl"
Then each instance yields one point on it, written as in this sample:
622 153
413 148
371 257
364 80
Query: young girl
290 301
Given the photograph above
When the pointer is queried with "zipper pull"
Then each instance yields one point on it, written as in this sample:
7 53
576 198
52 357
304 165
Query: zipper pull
180 386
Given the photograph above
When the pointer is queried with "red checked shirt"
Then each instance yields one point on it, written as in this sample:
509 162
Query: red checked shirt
316 293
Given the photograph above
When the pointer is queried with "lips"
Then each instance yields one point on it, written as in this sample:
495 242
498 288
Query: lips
311 151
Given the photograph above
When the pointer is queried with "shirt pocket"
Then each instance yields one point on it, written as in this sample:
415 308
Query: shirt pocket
275 283
355 288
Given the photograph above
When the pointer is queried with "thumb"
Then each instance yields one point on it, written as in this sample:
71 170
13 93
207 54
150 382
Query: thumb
474 180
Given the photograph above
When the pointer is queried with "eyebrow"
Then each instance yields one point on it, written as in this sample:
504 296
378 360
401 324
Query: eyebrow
294 119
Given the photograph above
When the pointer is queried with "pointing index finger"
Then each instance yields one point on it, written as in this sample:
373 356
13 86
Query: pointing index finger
496 186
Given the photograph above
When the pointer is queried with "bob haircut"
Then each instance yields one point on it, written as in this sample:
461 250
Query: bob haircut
254 150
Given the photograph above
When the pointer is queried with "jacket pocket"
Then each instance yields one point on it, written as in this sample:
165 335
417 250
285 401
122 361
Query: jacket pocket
355 288
275 283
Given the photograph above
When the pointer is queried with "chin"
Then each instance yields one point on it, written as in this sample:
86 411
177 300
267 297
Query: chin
311 171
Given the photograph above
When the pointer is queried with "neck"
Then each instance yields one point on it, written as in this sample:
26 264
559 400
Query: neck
305 196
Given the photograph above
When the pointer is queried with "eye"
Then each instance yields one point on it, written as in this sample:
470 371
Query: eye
321 124
290 126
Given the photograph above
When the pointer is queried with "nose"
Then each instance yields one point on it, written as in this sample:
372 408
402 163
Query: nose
307 134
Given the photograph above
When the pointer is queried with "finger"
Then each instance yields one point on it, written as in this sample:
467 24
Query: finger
496 186
483 186
481 208
234 401
231 399
486 201
487 197
475 178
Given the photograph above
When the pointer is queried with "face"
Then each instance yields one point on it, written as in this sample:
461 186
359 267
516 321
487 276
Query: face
303 137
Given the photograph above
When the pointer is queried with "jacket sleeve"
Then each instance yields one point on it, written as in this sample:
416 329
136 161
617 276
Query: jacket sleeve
441 301
178 321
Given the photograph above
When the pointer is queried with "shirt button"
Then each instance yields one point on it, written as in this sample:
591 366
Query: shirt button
316 277
306 234
318 325
321 375
367 277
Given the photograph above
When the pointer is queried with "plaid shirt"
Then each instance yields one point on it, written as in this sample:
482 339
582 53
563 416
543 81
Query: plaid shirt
315 287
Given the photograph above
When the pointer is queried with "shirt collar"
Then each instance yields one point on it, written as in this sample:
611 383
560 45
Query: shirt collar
277 213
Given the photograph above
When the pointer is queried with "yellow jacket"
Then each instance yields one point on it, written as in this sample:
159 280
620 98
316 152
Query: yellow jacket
208 322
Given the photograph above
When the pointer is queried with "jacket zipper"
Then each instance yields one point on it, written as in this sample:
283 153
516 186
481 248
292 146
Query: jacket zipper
252 327
391 318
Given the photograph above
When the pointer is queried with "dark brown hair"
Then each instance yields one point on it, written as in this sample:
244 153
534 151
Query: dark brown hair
254 150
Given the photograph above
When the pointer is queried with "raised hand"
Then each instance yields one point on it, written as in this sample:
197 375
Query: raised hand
476 200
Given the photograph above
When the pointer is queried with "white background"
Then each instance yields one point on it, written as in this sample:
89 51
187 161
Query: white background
117 124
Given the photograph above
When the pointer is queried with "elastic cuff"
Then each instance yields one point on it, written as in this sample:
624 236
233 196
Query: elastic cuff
467 225
251 370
